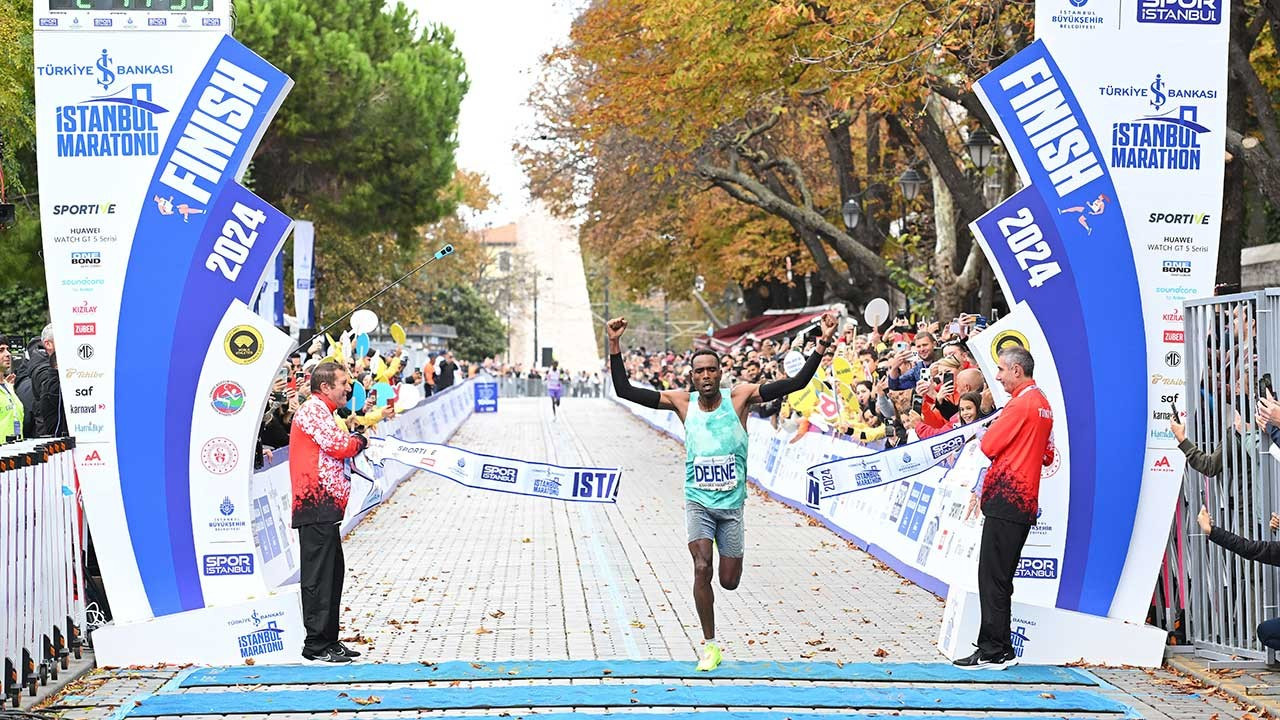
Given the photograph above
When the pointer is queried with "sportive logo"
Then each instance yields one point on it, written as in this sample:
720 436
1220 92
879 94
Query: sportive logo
243 344
227 398
85 351
1180 12
229 564
85 209
1174 336
1177 218
498 473
1173 358
86 328
219 456
1037 568
86 257
1176 267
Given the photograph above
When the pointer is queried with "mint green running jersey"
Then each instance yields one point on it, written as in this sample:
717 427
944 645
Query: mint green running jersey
715 456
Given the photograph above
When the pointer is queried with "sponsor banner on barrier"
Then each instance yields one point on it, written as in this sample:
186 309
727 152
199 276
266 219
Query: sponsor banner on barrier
499 474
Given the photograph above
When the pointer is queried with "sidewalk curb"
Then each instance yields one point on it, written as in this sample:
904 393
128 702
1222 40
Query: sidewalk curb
76 669
1232 687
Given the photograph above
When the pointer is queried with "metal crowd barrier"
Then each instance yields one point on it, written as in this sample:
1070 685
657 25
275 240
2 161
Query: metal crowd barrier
1231 355
42 600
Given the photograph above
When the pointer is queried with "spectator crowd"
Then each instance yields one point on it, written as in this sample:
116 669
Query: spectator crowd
881 388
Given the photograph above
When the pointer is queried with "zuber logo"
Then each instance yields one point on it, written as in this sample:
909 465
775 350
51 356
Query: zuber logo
1174 336
85 328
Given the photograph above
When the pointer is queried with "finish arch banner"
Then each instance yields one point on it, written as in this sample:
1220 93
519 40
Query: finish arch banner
146 121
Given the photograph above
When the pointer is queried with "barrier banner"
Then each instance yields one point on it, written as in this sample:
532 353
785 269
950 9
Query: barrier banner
848 475
499 474
304 243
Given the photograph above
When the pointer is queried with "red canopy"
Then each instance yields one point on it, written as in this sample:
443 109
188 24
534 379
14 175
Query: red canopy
770 324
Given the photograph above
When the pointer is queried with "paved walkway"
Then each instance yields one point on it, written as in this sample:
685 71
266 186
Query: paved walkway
442 572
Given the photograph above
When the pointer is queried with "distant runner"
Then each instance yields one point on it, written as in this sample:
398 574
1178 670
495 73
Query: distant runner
715 486
554 388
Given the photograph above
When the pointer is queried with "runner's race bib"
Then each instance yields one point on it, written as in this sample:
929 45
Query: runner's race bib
715 472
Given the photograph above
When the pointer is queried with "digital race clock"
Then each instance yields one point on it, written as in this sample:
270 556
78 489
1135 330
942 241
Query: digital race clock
143 5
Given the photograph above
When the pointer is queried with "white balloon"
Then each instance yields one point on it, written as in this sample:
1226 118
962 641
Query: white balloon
365 321
876 313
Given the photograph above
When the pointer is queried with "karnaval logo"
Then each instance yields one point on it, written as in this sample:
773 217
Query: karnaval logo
227 398
1007 338
243 344
219 456
120 123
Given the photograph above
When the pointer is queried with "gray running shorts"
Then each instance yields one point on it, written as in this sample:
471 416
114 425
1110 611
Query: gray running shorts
724 526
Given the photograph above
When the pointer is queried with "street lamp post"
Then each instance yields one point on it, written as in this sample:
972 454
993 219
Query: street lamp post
537 349
980 147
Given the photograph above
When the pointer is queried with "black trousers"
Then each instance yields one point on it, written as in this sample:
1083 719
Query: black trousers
1002 542
321 577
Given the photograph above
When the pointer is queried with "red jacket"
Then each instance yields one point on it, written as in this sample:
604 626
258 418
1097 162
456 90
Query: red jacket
317 447
1018 445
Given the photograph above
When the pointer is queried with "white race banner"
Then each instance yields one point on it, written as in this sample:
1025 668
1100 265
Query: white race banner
304 241
498 474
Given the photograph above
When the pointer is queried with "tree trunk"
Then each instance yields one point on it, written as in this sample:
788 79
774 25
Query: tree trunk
1231 239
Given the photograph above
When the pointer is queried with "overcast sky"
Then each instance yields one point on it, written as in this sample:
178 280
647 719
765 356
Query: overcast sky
502 41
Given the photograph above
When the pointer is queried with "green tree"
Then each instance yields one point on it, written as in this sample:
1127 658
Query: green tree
20 261
364 144
480 332
23 312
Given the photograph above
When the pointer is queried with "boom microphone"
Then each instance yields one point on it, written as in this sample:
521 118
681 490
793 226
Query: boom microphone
442 252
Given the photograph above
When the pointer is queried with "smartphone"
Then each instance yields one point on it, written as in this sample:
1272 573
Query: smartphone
948 377
1264 387
1176 417
995 314
918 404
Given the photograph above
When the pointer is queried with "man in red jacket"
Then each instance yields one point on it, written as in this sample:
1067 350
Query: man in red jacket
1018 445
317 448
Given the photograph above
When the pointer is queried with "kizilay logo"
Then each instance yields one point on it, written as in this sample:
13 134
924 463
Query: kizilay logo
118 124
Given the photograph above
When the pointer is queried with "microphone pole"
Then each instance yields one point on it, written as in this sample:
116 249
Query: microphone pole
442 252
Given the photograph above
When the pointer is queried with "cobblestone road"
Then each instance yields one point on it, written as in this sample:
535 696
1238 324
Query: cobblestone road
443 572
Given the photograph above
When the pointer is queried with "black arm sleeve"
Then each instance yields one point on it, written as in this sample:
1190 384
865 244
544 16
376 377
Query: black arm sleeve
622 386
1264 552
786 386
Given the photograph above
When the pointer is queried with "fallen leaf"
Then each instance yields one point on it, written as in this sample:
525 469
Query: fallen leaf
477 666
1048 696
248 661
881 652
526 540
807 655
637 624
484 631
496 614
607 671
371 700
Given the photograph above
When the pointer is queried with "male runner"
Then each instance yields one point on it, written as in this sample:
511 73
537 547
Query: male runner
715 461
554 388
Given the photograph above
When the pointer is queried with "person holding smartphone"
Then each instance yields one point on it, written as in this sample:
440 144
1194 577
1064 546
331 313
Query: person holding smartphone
1266 552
